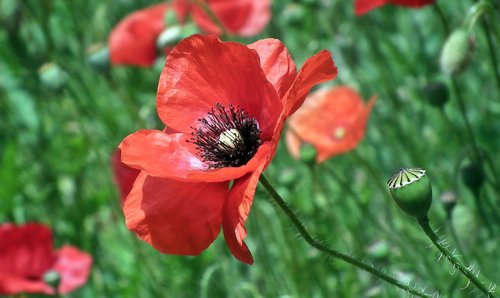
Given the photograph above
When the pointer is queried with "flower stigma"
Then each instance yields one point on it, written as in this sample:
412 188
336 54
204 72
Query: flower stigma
226 137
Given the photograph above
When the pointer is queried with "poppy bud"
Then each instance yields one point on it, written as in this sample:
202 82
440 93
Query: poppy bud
449 200
436 94
288 177
456 53
308 153
52 76
473 177
411 190
52 278
98 57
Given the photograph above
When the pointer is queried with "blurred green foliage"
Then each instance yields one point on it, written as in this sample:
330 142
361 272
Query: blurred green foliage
56 140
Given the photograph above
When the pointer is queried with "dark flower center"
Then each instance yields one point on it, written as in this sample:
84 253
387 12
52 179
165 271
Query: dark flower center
227 137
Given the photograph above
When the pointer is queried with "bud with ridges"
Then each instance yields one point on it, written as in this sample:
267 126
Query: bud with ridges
411 190
457 52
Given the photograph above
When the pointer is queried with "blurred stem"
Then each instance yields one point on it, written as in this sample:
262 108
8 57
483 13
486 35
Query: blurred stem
371 171
333 253
491 49
208 10
424 223
463 111
442 18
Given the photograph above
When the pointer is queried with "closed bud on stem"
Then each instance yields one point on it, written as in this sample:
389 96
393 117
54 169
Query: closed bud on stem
437 94
52 76
457 52
411 190
473 177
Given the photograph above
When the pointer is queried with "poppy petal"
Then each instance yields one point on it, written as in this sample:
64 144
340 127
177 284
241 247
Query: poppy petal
364 6
124 175
171 156
202 71
293 143
332 120
243 17
276 62
175 217
317 69
11 285
412 3
235 213
133 40
26 250
73 267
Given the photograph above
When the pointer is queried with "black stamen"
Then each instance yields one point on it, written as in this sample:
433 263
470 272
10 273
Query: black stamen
227 137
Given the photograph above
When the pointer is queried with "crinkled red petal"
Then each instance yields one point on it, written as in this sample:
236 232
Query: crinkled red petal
277 64
175 217
171 156
202 71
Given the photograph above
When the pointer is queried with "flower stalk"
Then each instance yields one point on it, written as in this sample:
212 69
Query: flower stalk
276 198
424 224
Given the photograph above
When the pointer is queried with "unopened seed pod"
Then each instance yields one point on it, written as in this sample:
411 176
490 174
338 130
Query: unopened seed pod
308 153
411 190
457 52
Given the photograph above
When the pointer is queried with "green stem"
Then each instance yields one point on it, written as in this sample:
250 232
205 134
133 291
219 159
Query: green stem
442 18
468 127
333 253
491 49
424 223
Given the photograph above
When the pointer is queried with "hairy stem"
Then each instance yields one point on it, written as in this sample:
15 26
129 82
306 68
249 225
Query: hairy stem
333 253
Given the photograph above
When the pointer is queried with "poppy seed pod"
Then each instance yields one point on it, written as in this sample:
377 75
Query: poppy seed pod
52 278
411 190
436 94
456 53
98 57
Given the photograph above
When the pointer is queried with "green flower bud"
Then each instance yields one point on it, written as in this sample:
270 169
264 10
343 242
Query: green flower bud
473 177
457 52
52 76
98 57
308 153
411 190
52 278
437 94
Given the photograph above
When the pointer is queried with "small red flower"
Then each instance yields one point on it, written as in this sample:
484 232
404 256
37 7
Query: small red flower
227 104
364 6
26 254
239 17
332 120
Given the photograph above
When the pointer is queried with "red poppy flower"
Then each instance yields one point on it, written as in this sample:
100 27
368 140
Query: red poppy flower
227 103
365 6
332 120
240 17
133 40
26 254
